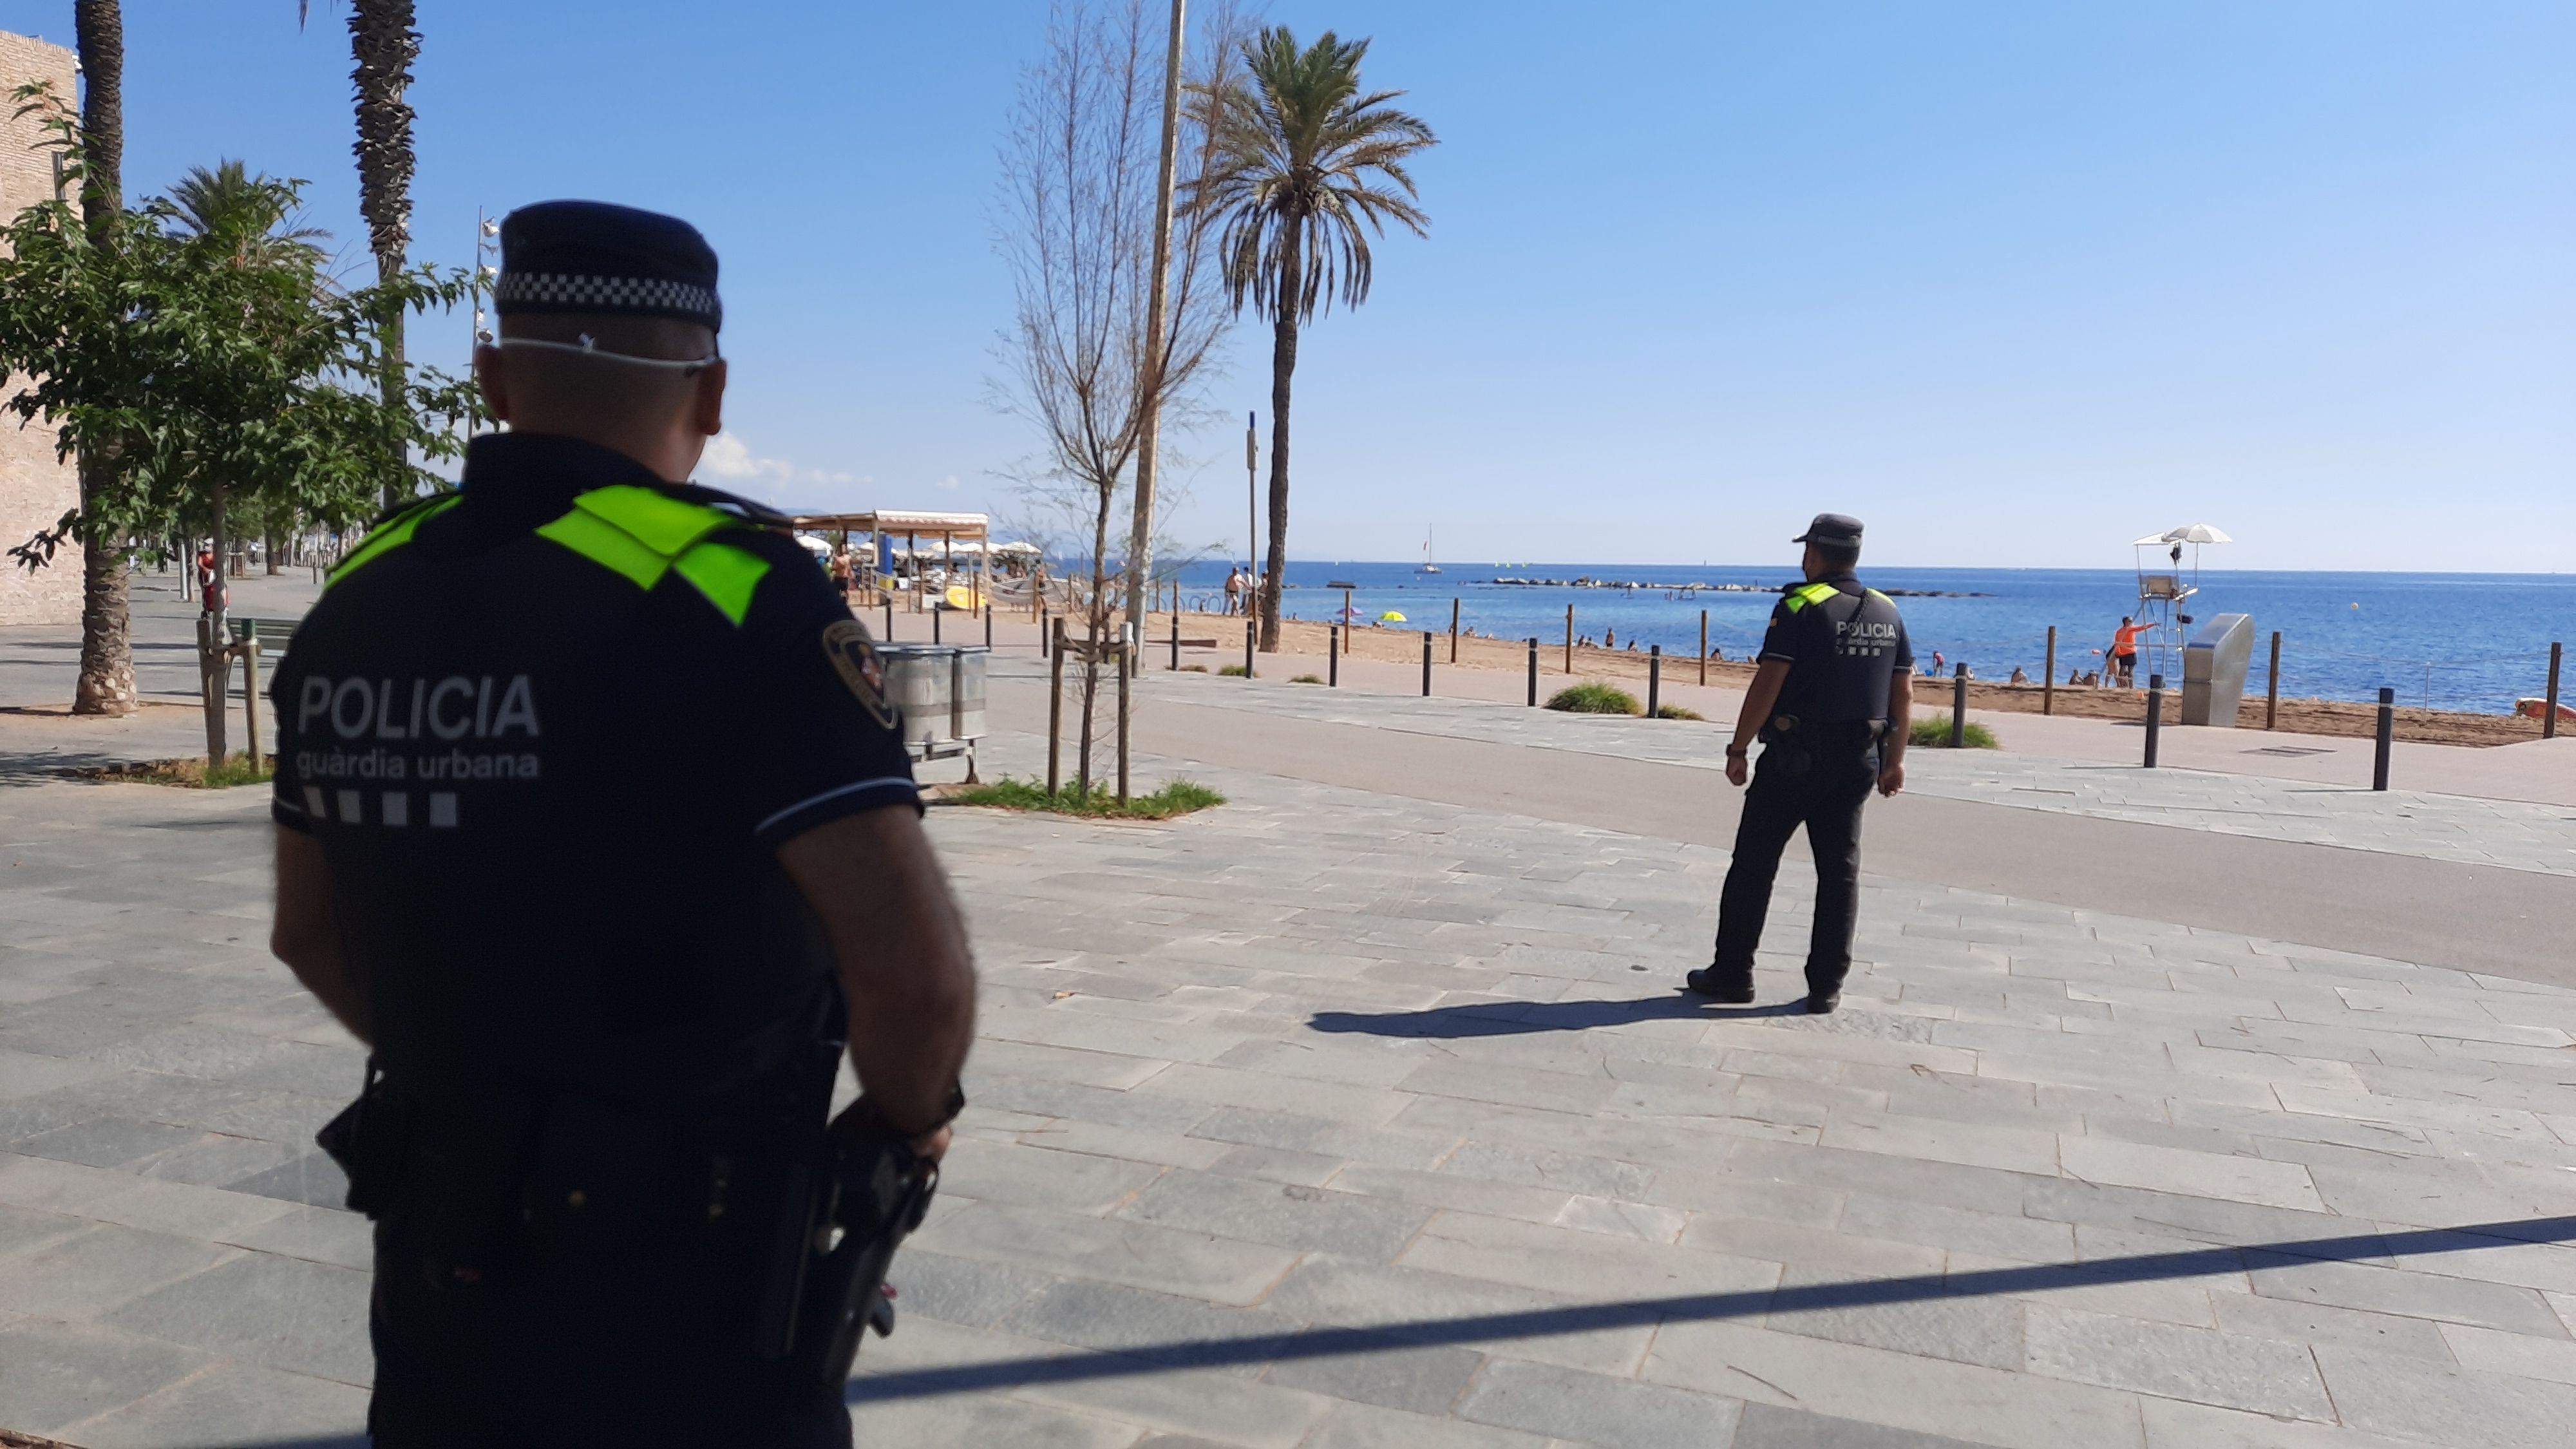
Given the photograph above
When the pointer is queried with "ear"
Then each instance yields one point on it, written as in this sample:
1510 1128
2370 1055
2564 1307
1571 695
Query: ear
492 375
708 414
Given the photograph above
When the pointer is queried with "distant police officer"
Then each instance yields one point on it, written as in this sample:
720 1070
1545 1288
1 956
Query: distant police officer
596 828
1830 701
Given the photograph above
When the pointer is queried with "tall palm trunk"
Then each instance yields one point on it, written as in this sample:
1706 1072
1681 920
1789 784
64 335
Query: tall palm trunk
1283 364
384 44
106 684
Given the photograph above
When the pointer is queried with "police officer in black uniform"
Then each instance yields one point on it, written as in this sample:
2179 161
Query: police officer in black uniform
1831 701
595 826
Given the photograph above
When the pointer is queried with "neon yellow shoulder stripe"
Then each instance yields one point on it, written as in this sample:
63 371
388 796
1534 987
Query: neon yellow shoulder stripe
641 535
393 535
1811 594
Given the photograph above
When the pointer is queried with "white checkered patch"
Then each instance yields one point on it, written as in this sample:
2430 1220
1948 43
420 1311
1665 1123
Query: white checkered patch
606 294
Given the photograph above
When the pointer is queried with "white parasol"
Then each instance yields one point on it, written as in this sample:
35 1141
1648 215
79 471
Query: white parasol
2188 533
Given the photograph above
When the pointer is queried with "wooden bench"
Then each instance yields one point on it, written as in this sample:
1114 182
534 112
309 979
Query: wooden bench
272 634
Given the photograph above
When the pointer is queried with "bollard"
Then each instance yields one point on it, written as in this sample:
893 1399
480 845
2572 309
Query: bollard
889 633
1569 638
1251 636
1176 643
988 625
2387 737
2048 680
1347 616
1426 664
2155 714
2549 706
1453 631
1959 709
1533 671
1333 656
1654 681
1703 646
1055 706
934 624
2272 686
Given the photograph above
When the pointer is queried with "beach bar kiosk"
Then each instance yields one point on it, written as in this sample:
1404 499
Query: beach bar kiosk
956 535
2213 670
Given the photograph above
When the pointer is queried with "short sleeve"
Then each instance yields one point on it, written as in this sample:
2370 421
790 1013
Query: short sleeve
1904 648
1780 641
820 739
287 802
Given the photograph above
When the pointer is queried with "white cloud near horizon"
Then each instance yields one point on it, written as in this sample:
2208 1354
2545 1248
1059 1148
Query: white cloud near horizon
729 456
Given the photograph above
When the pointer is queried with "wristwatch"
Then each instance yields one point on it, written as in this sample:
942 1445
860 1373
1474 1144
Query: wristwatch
948 1111
1735 752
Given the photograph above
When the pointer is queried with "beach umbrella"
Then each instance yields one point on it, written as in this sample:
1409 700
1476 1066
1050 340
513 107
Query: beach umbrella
2188 533
1390 617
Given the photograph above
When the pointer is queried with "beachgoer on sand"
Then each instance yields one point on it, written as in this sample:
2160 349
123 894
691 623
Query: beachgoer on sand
2124 650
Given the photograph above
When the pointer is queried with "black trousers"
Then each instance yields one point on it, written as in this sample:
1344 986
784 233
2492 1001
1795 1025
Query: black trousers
1826 796
647 1349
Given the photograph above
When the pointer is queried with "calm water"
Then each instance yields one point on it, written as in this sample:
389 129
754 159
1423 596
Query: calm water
2456 641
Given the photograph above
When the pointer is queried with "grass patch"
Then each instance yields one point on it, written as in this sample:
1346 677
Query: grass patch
1179 797
1235 671
1305 679
190 774
1197 669
1675 711
1934 734
1594 699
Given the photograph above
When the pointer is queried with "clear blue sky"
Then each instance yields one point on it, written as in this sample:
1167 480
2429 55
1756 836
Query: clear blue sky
2014 281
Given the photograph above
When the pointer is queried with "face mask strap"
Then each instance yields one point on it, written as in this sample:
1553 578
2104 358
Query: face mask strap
589 347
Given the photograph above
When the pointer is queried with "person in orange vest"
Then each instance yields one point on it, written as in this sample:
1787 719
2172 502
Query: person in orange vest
2124 650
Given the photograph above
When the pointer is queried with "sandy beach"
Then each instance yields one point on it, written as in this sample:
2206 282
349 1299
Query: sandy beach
1404 646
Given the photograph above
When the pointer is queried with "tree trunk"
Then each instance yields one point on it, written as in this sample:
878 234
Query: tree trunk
212 664
384 44
1096 624
106 682
1283 363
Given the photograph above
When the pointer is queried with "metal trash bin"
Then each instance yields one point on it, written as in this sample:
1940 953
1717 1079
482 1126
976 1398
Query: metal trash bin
937 691
2213 670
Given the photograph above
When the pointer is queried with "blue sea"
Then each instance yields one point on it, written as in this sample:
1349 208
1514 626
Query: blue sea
2447 641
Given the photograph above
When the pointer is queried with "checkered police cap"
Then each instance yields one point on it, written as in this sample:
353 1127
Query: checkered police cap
591 256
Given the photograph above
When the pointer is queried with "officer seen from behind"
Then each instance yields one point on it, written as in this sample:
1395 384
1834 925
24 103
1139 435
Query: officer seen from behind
595 826
1831 702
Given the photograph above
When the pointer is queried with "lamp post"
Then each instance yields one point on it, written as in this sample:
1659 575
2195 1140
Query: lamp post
487 252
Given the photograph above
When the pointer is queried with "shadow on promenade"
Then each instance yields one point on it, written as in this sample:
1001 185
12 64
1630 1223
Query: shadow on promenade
1694 1308
1520 1018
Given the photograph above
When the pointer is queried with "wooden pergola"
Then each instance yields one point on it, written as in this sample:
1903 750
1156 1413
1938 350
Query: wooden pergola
912 526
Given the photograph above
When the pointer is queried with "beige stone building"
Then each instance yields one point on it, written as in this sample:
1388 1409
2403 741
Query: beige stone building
36 488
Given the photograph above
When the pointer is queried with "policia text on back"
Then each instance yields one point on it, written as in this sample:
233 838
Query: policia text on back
609 928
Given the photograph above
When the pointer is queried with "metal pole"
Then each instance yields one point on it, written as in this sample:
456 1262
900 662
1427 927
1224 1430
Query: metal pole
1703 646
1569 638
2048 684
1333 656
2272 685
1654 681
1346 621
1959 708
1251 519
2155 714
1149 439
1126 652
1426 664
250 689
1176 643
1251 635
2387 736
1533 671
934 625
1453 631
889 608
2549 706
1055 709
988 621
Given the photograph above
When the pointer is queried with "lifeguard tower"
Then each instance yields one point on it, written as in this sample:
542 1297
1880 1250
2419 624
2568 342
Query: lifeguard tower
2166 588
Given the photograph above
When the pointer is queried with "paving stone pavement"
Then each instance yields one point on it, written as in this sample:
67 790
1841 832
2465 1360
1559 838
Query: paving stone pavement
2516 835
1331 1120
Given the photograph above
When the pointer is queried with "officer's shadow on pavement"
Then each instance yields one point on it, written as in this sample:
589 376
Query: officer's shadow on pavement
1521 1018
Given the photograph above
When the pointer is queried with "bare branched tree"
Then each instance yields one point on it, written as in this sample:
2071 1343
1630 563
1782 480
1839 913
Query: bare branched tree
1075 226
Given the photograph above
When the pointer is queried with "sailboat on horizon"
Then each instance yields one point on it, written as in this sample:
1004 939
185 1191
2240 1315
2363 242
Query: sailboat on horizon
1428 567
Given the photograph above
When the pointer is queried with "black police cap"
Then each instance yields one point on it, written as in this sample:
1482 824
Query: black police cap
592 256
1833 530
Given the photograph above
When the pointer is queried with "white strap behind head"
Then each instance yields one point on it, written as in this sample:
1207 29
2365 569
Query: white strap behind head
589 347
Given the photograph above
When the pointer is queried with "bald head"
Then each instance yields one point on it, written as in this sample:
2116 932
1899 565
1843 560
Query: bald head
659 416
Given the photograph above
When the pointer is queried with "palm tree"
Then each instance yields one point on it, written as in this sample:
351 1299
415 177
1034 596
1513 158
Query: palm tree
106 684
246 214
384 44
1307 169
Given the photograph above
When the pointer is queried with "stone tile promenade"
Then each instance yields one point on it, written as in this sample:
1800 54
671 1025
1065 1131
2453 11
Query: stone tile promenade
1343 1117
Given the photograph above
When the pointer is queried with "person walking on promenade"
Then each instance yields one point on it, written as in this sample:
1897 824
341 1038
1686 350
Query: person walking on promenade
2124 650
1233 591
1831 700
607 931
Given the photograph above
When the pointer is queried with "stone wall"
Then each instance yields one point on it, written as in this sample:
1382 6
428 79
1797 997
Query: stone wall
36 488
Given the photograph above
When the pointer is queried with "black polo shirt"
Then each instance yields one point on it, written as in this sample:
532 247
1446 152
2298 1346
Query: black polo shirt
1842 647
550 799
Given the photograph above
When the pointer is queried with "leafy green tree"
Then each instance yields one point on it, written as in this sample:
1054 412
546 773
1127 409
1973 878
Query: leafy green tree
1307 168
202 349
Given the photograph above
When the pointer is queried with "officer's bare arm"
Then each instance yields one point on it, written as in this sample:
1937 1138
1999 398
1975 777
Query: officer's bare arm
902 949
1759 697
1900 730
306 935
